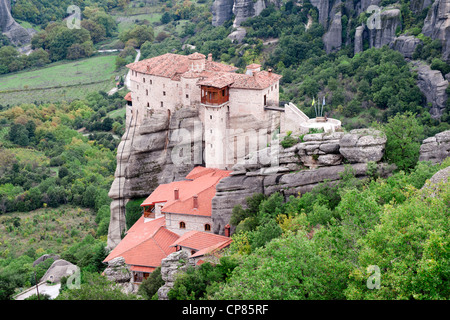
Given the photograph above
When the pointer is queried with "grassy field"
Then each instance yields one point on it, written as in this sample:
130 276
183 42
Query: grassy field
60 81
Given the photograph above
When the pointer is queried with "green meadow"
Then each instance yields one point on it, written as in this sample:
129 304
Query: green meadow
59 81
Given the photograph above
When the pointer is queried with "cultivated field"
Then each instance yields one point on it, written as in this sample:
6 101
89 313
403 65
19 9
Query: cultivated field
59 81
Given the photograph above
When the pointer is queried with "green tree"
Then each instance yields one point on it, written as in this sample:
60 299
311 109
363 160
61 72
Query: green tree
404 135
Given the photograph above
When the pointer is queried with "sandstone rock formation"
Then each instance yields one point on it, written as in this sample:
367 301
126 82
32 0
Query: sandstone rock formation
322 153
362 145
14 31
60 268
437 25
332 39
118 271
170 267
145 160
436 149
222 11
405 45
45 257
390 20
433 85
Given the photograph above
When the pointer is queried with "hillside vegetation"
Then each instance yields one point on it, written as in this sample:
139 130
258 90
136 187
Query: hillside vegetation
59 132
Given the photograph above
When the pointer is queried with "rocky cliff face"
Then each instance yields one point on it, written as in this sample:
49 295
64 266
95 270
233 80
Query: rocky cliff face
321 153
433 86
146 157
15 32
223 10
437 25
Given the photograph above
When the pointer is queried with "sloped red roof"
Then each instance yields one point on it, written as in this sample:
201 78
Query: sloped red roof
128 96
259 80
216 74
201 183
203 242
172 65
145 244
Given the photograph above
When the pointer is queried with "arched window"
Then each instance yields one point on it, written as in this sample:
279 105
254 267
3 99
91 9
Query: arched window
182 225
207 227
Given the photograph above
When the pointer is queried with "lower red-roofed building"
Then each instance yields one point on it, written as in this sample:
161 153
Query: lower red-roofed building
176 216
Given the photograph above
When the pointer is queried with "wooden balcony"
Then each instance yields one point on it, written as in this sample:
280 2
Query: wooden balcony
214 96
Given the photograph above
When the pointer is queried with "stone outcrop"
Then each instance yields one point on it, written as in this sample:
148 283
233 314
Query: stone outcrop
60 268
45 257
222 11
17 34
406 45
433 85
359 35
362 145
145 159
437 25
332 39
436 149
118 271
390 20
170 266
299 169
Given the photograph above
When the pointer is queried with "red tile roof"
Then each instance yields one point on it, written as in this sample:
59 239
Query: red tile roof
201 183
203 242
218 75
145 244
259 80
172 65
128 96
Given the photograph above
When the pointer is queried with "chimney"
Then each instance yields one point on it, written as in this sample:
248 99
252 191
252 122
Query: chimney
176 193
195 201
148 68
227 230
252 69
209 56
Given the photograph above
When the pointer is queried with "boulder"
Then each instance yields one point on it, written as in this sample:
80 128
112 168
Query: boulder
60 268
436 149
362 145
170 266
118 271
45 257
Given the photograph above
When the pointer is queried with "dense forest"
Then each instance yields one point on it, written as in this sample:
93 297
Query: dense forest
57 158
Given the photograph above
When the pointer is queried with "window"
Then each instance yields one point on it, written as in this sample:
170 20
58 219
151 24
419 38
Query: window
162 104
148 104
138 87
192 252
164 93
151 82
207 227
182 225
146 91
187 96
210 117
143 79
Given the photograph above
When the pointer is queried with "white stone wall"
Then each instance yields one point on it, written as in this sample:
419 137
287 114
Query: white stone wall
192 222
215 121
